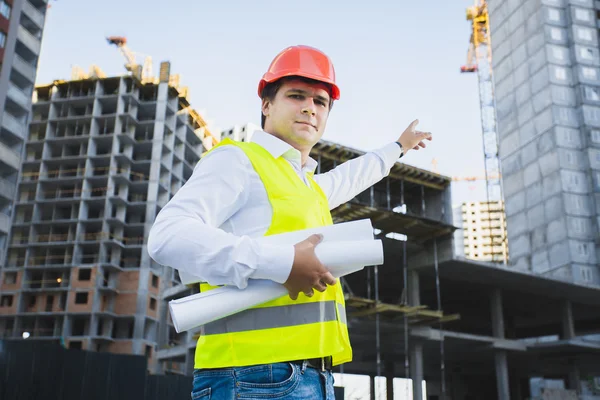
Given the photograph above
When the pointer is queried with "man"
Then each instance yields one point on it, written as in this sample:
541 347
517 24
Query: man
285 348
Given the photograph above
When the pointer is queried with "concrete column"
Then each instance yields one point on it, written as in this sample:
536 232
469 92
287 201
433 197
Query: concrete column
568 327
414 295
502 375
389 381
497 314
416 370
372 391
574 380
502 382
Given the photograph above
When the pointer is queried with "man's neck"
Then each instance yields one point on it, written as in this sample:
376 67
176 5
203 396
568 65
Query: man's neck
304 153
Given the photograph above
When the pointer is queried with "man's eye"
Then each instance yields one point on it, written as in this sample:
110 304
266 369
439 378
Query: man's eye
296 96
321 103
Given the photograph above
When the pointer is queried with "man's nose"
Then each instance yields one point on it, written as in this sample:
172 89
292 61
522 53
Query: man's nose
309 109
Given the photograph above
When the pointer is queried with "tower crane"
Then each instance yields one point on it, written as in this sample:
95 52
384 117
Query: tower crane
132 65
479 60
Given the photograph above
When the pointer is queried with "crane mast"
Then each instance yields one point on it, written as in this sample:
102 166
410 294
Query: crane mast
479 60
480 47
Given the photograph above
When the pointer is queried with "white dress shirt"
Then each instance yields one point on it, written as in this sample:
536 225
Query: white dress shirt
207 228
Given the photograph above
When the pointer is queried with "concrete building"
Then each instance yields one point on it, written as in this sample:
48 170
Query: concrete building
482 235
241 133
102 158
547 87
21 28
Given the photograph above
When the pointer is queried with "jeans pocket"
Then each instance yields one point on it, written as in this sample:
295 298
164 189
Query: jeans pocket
203 394
272 381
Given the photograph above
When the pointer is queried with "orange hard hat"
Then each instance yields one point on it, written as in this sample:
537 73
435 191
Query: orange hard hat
304 61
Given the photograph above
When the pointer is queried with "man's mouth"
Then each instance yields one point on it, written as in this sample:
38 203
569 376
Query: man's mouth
306 123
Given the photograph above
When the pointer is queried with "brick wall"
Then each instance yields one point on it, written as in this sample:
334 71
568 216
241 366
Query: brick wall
121 347
126 304
128 281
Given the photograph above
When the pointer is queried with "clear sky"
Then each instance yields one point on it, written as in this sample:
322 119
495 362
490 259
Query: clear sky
396 60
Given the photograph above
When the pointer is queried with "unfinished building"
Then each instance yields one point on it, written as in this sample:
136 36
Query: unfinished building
102 158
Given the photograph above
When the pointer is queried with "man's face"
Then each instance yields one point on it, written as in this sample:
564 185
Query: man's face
298 114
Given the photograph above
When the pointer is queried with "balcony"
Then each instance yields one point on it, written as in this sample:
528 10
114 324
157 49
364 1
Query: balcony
30 41
10 157
13 125
7 189
19 97
33 14
24 68
4 222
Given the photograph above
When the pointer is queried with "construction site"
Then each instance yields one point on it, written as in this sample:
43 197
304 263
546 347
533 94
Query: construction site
494 299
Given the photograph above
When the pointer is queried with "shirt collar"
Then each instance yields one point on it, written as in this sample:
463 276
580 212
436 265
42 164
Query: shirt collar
278 148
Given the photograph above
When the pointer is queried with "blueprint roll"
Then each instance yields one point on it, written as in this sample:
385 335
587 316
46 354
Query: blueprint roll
340 258
344 232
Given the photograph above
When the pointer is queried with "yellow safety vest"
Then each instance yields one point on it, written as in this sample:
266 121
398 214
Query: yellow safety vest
283 329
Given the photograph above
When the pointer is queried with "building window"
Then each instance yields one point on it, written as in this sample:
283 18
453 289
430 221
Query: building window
586 274
582 15
560 73
152 303
595 134
2 39
584 33
10 278
582 248
586 53
558 53
85 274
589 73
81 298
591 93
556 34
4 9
154 281
6 301
553 15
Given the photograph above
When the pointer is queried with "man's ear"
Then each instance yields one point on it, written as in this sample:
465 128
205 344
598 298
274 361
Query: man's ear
266 107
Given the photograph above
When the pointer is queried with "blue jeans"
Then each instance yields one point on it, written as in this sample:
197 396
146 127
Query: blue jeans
288 381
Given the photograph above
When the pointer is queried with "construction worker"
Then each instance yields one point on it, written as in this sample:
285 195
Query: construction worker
285 348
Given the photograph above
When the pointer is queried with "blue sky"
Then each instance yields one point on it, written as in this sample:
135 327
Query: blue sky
395 61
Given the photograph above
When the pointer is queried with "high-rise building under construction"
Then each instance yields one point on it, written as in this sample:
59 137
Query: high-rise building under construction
547 88
21 28
103 156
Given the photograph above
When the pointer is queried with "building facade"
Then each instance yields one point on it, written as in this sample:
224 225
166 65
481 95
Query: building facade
483 233
547 87
102 158
21 28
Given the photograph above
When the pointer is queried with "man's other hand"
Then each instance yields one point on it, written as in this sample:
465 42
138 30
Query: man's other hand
308 273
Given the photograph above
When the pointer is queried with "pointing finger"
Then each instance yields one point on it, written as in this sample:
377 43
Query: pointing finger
414 124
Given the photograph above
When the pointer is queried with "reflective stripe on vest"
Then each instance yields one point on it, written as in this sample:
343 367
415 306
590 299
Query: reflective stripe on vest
277 317
282 329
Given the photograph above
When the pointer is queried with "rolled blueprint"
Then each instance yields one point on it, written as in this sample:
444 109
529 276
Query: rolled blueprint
340 258
346 231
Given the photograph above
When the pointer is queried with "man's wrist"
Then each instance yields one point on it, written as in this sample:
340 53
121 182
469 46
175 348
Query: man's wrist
401 148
